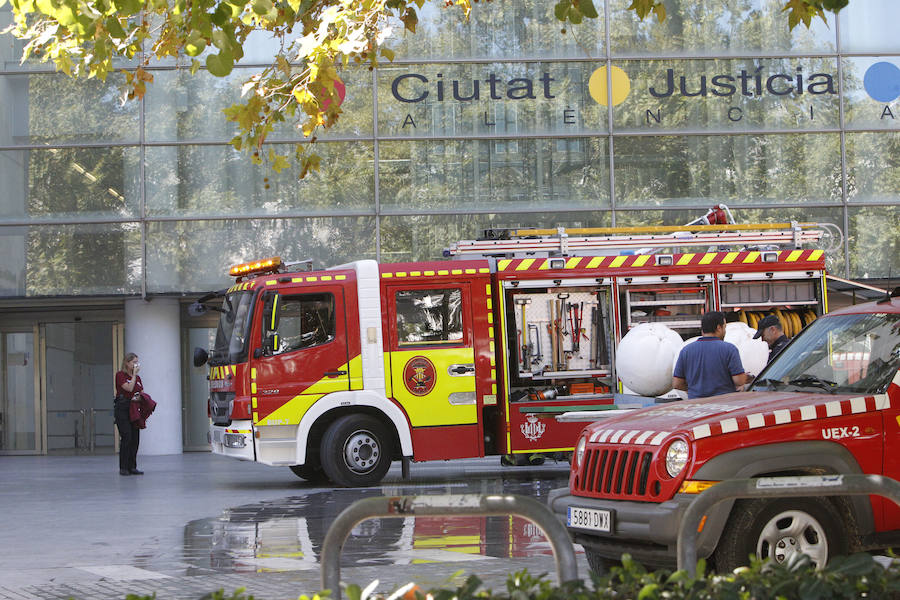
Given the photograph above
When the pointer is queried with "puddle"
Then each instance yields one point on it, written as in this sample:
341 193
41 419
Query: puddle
287 534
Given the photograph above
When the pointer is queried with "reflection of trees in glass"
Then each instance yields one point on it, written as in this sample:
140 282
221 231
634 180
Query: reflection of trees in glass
179 182
875 241
195 256
82 259
499 29
424 237
60 109
716 26
504 174
873 167
737 169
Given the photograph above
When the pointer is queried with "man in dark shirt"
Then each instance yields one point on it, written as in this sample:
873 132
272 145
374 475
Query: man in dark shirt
770 330
709 366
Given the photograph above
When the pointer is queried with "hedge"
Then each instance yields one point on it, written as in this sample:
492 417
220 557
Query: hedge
845 577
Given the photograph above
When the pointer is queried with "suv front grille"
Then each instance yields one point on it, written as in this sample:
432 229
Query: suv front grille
615 471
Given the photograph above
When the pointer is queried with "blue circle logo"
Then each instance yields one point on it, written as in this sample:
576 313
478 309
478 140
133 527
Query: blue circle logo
882 81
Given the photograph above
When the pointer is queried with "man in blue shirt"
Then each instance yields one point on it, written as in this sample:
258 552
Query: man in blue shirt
709 366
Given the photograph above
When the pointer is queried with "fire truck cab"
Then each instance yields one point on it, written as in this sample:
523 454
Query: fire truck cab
336 373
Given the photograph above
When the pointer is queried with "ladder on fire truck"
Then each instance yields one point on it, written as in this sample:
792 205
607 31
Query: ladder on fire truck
715 229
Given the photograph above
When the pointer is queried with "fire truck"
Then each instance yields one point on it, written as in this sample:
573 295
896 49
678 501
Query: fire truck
828 404
337 372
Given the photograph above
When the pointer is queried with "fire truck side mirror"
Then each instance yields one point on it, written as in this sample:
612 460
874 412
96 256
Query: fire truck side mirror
200 356
271 313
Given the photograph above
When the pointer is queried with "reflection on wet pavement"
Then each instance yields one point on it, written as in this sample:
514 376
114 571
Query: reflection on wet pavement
287 534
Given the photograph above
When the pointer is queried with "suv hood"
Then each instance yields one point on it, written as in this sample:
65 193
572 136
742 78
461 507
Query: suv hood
729 412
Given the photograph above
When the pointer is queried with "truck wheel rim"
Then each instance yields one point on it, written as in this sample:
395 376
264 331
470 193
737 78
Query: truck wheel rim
793 532
361 452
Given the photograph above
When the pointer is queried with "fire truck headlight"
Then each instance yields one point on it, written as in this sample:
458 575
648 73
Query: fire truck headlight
579 451
676 457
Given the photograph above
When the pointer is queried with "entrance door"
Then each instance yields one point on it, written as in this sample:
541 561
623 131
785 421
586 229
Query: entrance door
20 431
79 376
196 409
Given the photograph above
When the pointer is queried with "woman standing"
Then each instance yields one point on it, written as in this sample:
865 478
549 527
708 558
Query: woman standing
128 388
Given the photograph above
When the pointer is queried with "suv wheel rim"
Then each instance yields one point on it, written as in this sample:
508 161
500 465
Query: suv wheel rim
793 532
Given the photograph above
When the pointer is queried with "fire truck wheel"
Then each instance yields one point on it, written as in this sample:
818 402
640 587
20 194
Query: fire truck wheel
356 451
599 564
310 472
778 529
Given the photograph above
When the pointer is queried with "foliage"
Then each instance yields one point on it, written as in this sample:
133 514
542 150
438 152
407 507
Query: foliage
314 40
845 577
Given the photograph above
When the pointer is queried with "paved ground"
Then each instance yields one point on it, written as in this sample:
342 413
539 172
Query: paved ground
194 523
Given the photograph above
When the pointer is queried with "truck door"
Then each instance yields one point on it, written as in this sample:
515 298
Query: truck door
433 366
302 353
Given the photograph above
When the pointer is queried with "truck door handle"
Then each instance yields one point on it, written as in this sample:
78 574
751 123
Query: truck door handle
455 370
335 373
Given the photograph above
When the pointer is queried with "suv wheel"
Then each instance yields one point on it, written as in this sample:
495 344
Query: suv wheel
780 529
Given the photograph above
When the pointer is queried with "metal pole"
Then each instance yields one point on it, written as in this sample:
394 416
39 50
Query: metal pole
774 487
443 506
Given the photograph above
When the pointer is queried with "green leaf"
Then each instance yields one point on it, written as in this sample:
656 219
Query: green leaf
115 28
575 16
561 10
195 46
587 8
388 54
262 7
648 592
127 7
220 65
410 19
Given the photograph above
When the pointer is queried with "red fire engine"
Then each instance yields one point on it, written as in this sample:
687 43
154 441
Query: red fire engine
337 372
828 404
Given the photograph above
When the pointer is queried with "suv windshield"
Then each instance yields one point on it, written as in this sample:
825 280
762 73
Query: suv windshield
233 330
854 354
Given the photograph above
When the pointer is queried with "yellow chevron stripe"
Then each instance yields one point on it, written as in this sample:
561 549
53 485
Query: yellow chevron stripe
502 264
525 264
641 260
618 261
816 254
595 262
685 259
708 258
729 258
794 256
752 257
573 262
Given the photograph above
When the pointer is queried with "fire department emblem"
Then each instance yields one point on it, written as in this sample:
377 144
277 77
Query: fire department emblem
532 428
419 376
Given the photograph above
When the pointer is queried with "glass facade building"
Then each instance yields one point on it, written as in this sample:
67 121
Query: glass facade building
502 121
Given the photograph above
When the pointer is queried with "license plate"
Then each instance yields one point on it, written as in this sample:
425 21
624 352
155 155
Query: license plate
589 518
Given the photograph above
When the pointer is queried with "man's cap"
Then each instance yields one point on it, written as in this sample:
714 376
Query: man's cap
764 323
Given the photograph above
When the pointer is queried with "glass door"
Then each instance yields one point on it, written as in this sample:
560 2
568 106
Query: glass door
196 389
20 423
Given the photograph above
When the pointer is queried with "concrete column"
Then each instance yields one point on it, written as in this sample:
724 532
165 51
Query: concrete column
153 332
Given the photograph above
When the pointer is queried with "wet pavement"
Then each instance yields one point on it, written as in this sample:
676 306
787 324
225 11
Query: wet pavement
195 523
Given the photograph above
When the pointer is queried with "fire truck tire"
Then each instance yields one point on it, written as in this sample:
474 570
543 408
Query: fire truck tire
778 529
356 451
599 564
310 472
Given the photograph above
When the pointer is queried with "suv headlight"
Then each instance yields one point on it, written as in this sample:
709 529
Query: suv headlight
676 457
579 451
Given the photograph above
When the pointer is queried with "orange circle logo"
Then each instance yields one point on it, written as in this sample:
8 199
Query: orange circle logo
419 376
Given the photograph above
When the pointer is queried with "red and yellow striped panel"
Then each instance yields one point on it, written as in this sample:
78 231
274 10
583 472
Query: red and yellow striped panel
635 261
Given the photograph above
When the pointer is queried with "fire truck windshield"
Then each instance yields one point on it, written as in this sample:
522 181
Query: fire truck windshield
852 354
233 330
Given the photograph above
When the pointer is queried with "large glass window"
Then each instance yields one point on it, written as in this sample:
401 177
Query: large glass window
501 175
768 169
716 27
869 26
70 260
728 96
424 237
185 256
189 107
45 108
874 241
488 99
871 91
70 183
218 181
873 167
498 29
